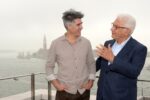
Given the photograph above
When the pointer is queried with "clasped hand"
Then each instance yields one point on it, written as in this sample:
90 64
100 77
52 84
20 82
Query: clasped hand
105 52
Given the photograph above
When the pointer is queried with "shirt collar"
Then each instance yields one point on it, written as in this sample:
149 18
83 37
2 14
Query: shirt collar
63 38
124 42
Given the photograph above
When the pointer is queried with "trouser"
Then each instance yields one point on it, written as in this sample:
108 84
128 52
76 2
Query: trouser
63 95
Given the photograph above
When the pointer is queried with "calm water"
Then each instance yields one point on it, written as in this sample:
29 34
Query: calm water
11 66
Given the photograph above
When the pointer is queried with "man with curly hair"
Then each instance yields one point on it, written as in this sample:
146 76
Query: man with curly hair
74 57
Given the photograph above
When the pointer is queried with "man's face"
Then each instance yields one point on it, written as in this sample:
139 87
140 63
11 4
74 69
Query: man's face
119 31
75 27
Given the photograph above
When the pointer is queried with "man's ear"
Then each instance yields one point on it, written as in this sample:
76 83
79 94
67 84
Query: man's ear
129 31
69 25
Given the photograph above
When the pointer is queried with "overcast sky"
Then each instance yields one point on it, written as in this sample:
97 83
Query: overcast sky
23 23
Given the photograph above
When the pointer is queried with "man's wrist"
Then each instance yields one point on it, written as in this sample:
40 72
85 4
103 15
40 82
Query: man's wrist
112 60
92 77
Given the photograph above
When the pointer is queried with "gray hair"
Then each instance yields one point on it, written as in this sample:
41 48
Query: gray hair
129 20
70 15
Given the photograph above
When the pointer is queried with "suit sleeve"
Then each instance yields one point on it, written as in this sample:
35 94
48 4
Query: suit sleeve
133 67
98 64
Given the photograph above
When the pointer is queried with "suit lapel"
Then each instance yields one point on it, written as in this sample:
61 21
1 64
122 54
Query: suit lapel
124 52
127 48
111 43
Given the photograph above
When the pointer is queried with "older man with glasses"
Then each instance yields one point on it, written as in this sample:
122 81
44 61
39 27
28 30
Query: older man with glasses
120 61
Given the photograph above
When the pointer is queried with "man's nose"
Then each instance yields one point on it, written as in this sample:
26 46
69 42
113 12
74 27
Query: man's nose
112 29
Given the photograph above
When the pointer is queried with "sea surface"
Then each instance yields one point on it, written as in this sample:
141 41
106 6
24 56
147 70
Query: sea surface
11 66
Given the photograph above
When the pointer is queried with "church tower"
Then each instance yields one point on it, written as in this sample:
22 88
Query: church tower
44 43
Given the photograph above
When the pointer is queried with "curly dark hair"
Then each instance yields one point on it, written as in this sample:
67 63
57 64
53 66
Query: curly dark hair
70 15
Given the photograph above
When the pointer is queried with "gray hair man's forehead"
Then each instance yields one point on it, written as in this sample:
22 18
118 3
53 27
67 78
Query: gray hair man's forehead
128 20
126 17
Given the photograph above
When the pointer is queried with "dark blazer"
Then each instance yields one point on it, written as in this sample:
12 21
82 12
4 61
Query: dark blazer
118 81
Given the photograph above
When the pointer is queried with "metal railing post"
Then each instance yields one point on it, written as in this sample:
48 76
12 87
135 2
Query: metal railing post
32 87
49 91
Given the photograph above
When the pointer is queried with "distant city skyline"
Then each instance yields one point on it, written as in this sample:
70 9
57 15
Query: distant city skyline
23 23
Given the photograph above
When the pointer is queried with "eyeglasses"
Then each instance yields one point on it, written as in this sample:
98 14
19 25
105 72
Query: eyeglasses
118 27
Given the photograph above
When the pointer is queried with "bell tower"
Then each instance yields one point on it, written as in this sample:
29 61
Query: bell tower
44 43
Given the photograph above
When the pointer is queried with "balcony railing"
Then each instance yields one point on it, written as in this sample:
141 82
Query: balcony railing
32 76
